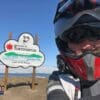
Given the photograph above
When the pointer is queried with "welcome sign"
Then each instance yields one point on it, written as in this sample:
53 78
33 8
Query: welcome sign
22 53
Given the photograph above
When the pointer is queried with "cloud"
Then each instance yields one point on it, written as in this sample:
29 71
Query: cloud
22 53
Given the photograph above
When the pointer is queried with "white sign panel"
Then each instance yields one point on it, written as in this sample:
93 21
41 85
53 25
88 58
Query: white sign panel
22 53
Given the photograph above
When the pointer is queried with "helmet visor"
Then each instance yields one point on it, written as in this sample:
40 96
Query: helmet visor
82 41
80 33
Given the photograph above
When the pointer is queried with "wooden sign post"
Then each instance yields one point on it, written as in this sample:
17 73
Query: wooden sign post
34 68
33 78
6 69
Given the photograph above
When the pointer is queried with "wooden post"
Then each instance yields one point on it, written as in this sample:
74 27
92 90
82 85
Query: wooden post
33 79
34 68
6 69
6 78
36 39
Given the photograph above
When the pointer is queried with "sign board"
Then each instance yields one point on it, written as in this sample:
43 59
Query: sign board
22 53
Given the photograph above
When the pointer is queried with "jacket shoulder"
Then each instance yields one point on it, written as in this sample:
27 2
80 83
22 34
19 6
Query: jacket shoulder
55 90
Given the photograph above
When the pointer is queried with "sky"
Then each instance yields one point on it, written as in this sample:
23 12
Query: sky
33 16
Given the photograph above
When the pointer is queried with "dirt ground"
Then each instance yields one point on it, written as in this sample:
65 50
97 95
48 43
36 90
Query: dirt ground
19 88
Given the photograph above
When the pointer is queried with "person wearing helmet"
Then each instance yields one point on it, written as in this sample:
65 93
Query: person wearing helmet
77 30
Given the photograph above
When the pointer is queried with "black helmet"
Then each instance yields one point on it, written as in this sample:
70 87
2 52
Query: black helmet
73 12
74 21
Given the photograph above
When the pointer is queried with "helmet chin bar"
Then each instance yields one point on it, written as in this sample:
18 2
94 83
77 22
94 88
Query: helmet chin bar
90 65
86 67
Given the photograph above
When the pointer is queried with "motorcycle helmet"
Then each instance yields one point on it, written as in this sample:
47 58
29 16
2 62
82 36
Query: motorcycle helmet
77 31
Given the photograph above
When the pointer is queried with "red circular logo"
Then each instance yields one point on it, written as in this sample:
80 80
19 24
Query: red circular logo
9 46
